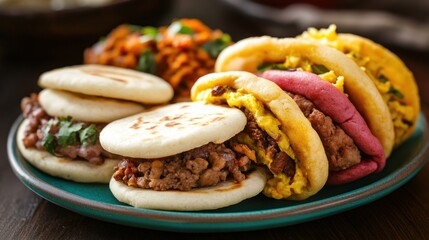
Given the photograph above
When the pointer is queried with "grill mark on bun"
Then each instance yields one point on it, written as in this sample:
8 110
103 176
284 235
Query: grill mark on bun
172 124
103 74
137 124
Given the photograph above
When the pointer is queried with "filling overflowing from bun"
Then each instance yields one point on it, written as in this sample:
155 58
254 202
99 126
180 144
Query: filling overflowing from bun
389 74
61 136
352 150
203 166
257 54
275 126
186 150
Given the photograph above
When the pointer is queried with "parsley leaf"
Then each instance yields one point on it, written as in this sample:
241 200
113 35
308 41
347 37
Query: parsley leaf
214 47
147 62
49 141
88 136
67 135
383 79
150 32
177 27
396 92
265 67
319 69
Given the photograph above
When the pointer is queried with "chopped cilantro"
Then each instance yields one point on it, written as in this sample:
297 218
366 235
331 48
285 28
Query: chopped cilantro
177 27
151 32
319 69
214 47
49 141
68 133
147 62
383 79
88 136
265 67
395 92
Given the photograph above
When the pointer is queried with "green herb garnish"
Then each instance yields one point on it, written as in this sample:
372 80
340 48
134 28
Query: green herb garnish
68 133
395 92
383 79
49 141
88 136
177 27
147 62
214 47
150 32
319 69
267 66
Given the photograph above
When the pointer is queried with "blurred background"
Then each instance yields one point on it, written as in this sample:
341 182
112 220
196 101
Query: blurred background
39 35
45 29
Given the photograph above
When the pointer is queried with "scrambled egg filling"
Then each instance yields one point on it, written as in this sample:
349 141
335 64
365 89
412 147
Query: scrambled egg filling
402 114
279 186
293 62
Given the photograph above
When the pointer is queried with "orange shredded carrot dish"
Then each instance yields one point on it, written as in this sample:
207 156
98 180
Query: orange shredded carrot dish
179 53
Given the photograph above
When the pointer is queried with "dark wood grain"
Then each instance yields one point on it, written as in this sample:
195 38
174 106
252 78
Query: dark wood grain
403 214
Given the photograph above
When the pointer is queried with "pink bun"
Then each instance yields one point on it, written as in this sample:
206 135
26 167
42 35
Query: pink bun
336 105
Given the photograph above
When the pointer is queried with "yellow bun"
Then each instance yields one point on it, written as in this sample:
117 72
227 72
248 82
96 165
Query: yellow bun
74 170
391 66
249 53
305 143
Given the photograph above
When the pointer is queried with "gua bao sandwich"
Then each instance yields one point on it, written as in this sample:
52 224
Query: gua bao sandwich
338 98
60 132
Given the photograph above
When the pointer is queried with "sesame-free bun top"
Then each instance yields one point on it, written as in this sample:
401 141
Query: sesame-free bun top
249 53
221 195
109 81
171 129
86 108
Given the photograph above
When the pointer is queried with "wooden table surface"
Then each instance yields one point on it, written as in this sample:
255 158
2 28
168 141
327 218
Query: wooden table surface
402 214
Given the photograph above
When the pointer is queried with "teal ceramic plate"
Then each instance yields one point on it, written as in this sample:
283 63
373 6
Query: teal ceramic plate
95 200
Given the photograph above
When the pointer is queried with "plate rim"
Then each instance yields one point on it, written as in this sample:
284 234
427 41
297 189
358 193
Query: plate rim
285 215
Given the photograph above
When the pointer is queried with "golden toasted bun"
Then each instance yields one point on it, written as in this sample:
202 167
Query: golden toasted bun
171 129
249 53
393 68
109 81
86 108
74 170
222 195
305 142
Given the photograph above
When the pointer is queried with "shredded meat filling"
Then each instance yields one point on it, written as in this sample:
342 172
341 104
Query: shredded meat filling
281 162
204 166
38 118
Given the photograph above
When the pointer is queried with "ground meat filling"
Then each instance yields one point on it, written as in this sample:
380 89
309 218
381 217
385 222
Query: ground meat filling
341 151
38 119
204 166
281 162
